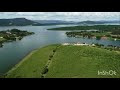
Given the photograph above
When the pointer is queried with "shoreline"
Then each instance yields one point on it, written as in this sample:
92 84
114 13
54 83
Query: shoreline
24 58
20 62
34 71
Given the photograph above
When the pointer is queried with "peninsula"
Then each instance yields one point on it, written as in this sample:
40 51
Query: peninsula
12 35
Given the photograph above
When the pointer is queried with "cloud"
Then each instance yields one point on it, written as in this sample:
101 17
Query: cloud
71 16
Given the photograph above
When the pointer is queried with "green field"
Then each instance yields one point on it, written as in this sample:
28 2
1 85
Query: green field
68 62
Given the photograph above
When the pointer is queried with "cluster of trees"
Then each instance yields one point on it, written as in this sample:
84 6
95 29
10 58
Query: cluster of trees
73 34
97 34
116 32
82 33
109 47
10 37
20 33
99 45
113 29
13 33
116 36
45 69
98 37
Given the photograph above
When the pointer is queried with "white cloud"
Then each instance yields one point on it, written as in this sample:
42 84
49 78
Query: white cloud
71 16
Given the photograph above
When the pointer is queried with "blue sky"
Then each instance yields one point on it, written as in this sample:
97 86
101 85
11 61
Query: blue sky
68 16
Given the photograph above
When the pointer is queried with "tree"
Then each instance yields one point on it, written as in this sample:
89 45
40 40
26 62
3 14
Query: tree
98 37
45 70
50 56
54 50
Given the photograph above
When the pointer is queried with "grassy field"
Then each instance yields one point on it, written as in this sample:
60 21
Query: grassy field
68 62
31 66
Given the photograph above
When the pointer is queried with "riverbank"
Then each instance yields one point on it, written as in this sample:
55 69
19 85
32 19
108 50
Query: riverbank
21 62
67 61
32 65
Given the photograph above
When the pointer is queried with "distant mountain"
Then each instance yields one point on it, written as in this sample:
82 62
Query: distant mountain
17 22
25 22
98 22
114 21
91 22
50 22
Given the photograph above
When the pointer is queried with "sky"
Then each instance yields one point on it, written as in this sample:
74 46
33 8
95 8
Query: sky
67 16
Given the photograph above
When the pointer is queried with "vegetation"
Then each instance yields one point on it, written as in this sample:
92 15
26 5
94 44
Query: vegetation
67 62
97 31
94 27
109 47
12 35
45 70
96 34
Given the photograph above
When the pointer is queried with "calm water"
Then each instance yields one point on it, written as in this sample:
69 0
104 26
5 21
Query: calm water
13 52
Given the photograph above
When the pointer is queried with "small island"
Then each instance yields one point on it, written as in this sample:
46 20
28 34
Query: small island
12 35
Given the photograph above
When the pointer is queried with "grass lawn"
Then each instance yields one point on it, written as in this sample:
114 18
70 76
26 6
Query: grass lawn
83 62
69 62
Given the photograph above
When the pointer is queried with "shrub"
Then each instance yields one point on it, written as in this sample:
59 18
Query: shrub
45 70
110 49
50 56
98 37
54 50
42 76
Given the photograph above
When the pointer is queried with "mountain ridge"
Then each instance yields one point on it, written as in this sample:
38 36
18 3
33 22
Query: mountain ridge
25 22
17 22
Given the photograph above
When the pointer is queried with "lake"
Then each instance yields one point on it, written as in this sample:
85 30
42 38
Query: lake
13 52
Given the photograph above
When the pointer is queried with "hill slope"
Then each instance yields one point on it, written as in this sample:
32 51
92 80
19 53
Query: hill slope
68 62
17 22
99 22
54 22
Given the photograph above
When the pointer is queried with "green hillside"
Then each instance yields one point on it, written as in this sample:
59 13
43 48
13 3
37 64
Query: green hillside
58 61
